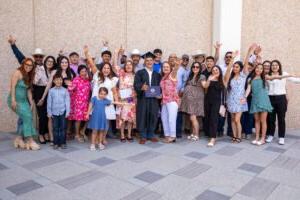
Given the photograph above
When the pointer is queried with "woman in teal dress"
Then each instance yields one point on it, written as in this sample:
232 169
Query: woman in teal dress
260 104
21 102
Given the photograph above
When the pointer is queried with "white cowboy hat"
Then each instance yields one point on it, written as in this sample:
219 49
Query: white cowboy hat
135 52
38 51
198 53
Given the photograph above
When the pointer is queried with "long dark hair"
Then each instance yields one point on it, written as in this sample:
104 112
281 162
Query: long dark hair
220 78
54 65
70 73
101 75
232 73
280 67
27 77
191 75
262 76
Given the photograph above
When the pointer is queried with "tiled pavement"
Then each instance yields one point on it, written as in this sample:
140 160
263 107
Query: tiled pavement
185 170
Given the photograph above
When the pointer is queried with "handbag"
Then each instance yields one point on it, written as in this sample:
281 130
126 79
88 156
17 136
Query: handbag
222 110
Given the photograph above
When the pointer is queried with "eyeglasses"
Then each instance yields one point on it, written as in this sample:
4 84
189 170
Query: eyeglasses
196 66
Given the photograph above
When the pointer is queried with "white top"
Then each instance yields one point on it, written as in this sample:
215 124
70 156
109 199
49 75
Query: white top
150 72
223 68
109 84
278 86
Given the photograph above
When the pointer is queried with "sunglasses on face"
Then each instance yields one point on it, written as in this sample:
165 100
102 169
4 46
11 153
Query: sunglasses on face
38 56
28 65
196 66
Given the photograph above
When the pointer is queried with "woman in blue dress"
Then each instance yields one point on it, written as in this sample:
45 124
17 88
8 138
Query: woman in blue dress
235 80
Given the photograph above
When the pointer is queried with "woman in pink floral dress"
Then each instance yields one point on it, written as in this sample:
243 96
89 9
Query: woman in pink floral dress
126 113
79 89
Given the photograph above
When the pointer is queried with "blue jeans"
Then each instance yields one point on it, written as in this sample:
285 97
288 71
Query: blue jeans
179 124
59 127
247 122
221 124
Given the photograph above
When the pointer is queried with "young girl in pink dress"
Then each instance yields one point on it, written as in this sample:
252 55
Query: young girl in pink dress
80 94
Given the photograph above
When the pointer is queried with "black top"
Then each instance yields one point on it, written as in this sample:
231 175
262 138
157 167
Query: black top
214 92
206 73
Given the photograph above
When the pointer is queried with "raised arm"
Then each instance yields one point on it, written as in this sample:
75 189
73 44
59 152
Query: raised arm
246 60
89 59
175 69
229 67
18 54
274 77
217 47
116 57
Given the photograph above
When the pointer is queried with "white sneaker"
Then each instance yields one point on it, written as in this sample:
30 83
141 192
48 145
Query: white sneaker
101 146
269 139
93 147
254 142
190 137
281 141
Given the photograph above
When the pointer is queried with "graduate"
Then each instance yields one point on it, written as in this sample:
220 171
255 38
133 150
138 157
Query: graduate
146 85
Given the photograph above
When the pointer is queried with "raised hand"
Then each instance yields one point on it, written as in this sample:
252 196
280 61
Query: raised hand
85 49
235 54
218 45
11 40
257 50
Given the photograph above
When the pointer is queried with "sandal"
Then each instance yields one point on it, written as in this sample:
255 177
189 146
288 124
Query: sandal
129 139
238 140
195 138
233 139
123 140
79 139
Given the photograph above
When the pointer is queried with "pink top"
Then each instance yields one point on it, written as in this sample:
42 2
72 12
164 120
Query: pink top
80 95
169 91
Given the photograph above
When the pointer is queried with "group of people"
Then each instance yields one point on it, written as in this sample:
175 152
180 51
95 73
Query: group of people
140 93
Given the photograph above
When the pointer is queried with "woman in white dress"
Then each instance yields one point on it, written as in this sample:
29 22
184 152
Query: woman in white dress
104 78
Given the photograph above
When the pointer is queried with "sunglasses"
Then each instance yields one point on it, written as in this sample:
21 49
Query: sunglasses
28 65
196 66
38 56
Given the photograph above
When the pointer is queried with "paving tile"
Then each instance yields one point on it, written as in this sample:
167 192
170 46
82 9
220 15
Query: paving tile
251 168
258 188
107 188
103 161
142 194
192 170
275 149
62 170
3 167
228 151
290 136
149 177
195 155
285 192
81 179
285 162
209 195
69 149
24 187
141 157
154 145
44 162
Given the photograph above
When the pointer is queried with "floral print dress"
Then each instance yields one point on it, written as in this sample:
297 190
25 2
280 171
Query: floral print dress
126 112
80 95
